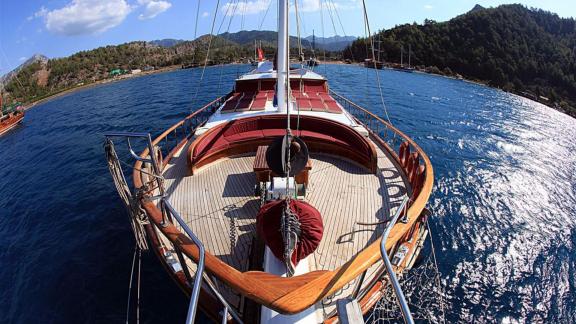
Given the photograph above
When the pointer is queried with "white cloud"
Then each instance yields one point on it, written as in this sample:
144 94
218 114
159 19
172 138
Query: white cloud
245 7
205 14
39 14
153 8
428 7
85 17
317 5
23 58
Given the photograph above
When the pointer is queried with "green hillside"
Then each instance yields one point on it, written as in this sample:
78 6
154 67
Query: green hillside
526 51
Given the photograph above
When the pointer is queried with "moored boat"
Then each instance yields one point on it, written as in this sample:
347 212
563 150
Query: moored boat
10 117
281 201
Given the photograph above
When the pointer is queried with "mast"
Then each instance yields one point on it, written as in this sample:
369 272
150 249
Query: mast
313 41
409 54
282 65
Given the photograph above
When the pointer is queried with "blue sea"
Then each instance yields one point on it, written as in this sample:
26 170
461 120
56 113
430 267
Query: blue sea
504 201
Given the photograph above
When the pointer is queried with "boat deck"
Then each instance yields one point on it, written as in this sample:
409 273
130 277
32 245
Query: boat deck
219 205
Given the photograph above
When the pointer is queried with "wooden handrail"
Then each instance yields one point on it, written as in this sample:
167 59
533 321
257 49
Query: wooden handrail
294 294
145 152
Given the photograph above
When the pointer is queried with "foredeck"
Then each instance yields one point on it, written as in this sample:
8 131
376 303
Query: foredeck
219 205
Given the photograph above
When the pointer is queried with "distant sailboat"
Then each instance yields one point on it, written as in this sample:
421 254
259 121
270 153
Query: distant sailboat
313 61
375 64
408 68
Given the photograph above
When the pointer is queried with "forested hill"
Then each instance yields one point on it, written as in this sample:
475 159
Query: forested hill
42 78
527 51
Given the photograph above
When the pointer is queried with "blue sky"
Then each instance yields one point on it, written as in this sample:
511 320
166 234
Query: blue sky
58 28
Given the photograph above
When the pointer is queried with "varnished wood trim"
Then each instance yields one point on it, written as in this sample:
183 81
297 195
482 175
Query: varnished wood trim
295 294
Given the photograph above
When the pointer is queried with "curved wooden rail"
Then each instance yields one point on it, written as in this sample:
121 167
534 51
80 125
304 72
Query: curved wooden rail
294 294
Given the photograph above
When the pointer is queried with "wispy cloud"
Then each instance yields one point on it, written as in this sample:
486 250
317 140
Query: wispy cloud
153 8
317 5
245 8
205 14
428 7
84 17
22 58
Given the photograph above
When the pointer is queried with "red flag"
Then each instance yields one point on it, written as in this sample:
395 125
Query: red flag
260 55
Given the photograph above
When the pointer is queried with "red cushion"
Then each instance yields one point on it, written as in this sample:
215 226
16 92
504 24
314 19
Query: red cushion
229 106
273 132
244 104
208 144
315 135
258 104
244 136
315 86
317 104
303 104
311 228
332 106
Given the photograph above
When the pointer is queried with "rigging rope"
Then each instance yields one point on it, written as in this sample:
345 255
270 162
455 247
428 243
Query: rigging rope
371 40
137 251
207 53
131 201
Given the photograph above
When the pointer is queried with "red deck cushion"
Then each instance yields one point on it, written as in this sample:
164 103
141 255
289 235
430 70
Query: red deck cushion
317 104
311 228
315 86
258 104
322 135
303 104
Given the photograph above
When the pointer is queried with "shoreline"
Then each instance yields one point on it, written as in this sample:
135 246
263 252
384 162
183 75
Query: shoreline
172 68
71 90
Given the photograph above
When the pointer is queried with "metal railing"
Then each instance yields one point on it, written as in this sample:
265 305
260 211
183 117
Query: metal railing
378 127
150 158
179 133
167 143
196 283
406 314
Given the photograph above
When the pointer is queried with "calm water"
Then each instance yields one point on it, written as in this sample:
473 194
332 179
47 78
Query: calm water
504 201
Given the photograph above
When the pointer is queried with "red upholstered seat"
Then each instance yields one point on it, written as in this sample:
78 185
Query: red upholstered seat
273 132
246 134
299 95
310 135
258 104
315 86
245 102
230 105
303 104
332 106
261 94
317 104
311 228
295 84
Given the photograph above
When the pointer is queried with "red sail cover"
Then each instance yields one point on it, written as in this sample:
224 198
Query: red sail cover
260 55
311 228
